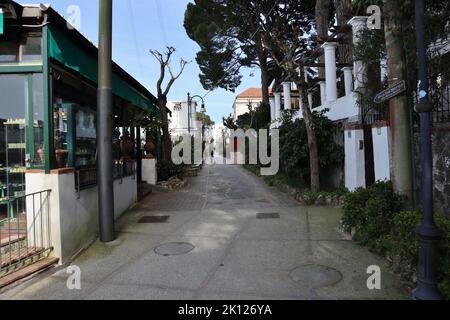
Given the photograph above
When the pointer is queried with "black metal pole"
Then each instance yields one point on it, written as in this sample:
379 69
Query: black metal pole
429 235
104 123
189 113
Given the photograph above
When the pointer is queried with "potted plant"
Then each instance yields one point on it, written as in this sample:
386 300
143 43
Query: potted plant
61 157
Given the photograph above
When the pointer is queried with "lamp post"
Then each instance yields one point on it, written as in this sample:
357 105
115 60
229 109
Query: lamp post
429 235
189 101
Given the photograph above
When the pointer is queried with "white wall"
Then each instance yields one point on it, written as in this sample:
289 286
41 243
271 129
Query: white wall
381 153
74 222
343 108
179 123
355 173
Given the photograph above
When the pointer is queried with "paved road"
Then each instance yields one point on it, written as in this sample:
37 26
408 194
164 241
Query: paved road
301 255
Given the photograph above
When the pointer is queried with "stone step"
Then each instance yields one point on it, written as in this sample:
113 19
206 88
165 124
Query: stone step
27 271
9 258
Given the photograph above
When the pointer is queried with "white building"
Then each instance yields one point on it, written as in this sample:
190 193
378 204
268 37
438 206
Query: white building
251 96
183 121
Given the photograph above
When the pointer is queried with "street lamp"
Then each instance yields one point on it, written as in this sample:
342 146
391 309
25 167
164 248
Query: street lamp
189 101
429 235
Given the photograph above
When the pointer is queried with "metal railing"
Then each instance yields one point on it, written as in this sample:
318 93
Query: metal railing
25 235
87 178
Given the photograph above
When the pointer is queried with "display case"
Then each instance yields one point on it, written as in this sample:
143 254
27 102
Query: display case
12 163
75 136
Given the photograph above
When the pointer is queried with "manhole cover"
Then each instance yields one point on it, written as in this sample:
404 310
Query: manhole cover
154 219
174 249
267 216
315 276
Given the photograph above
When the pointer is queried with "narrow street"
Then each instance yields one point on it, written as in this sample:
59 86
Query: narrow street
231 253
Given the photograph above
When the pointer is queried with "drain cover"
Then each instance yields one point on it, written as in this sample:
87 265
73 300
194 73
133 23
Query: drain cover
174 249
315 276
154 219
267 216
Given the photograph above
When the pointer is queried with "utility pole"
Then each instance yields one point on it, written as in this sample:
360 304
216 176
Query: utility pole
104 123
428 233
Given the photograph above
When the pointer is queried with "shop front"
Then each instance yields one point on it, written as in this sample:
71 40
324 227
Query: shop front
48 120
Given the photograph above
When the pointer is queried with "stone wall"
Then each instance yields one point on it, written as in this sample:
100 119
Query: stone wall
441 167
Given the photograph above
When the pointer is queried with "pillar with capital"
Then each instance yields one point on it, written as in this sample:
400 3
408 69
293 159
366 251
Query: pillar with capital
330 70
359 24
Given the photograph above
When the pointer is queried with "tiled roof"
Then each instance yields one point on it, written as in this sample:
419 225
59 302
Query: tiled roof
252 93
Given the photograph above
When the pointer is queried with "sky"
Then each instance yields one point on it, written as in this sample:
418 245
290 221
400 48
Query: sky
141 25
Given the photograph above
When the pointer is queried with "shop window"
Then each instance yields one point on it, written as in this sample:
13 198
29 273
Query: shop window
31 47
13 106
25 47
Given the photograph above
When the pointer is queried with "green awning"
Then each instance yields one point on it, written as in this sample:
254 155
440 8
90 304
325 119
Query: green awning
75 58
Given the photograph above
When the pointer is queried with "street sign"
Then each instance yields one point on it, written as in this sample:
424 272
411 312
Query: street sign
1 21
391 92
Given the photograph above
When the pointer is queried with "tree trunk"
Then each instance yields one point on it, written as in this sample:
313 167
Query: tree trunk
343 12
262 57
322 23
400 144
167 141
312 140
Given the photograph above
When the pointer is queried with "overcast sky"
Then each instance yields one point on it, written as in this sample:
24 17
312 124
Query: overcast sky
140 25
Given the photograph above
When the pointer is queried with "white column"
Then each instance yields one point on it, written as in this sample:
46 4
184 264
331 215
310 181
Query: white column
348 79
358 24
272 109
277 104
287 95
330 70
323 93
384 69
310 100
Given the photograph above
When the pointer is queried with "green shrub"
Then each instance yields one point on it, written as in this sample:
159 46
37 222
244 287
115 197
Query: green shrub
405 245
166 170
369 213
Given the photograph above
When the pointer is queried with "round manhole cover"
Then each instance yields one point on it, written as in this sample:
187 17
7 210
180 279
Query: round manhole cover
316 276
174 249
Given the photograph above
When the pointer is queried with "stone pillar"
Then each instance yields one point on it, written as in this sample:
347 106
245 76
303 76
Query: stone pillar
277 104
272 109
355 172
323 93
330 70
348 79
287 95
359 23
149 173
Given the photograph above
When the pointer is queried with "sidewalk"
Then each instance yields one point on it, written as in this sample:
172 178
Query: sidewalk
233 252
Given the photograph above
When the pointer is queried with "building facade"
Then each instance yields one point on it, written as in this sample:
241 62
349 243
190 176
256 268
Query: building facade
48 116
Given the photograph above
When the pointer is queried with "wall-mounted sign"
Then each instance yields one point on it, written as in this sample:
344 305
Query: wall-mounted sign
1 21
391 92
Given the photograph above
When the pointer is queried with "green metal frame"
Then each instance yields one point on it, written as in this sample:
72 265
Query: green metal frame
18 68
48 109
29 129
